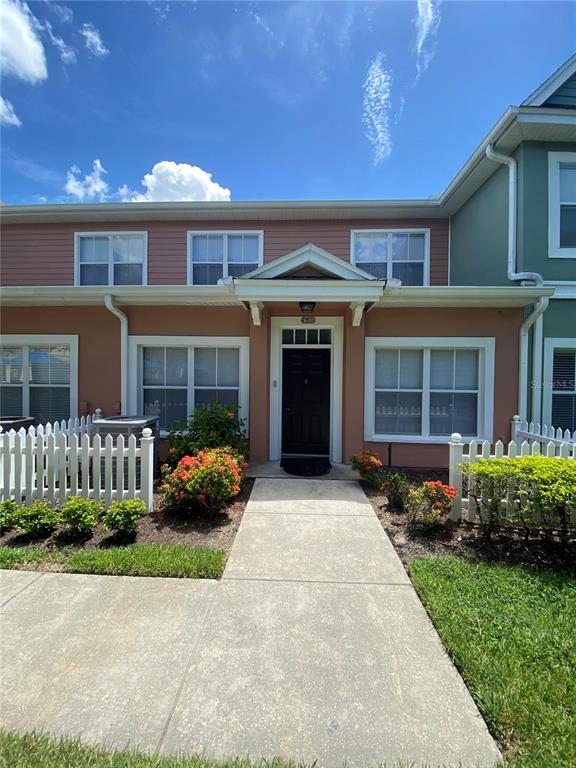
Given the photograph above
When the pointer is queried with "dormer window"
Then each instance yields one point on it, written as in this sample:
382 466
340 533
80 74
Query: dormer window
562 205
111 258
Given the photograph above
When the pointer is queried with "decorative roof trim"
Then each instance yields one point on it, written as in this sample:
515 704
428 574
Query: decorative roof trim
309 255
552 84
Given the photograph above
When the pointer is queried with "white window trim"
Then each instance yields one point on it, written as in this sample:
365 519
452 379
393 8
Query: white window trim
336 325
555 159
78 235
136 343
191 232
383 230
31 340
550 345
486 346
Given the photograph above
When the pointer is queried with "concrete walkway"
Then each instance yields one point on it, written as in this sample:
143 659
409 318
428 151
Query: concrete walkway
314 646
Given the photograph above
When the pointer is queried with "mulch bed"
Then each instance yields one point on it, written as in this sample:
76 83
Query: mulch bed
463 539
195 528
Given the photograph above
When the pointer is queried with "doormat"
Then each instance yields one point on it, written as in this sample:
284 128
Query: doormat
306 466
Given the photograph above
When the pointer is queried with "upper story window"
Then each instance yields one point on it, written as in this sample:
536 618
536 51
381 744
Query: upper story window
402 254
562 205
214 255
111 258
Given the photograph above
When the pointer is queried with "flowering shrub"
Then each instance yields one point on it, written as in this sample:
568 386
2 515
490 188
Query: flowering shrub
430 503
210 478
367 464
216 426
395 486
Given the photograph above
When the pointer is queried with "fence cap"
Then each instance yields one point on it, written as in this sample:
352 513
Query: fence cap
455 437
147 432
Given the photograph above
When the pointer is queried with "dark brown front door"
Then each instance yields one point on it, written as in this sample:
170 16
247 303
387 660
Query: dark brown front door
306 401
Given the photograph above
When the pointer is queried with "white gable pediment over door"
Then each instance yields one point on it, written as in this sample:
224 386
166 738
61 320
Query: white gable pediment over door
309 261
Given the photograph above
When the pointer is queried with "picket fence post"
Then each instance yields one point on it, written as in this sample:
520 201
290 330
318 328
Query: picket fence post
456 450
147 468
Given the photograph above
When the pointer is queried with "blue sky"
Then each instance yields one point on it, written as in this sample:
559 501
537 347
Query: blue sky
253 101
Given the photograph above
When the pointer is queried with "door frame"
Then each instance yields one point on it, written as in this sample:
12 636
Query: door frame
277 325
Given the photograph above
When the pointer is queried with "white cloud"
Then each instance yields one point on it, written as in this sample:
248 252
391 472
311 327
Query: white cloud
21 50
67 53
7 114
376 104
169 181
64 13
91 187
427 23
93 40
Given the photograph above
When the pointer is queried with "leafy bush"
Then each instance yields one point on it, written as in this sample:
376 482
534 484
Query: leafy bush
211 478
8 511
123 516
395 486
534 492
37 519
429 504
367 464
217 426
80 515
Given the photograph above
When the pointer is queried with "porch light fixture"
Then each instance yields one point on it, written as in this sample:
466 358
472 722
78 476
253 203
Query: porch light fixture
307 307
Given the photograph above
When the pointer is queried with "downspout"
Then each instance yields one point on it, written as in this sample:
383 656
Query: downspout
109 302
533 277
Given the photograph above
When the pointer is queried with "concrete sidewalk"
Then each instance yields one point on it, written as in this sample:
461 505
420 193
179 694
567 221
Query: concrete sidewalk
313 647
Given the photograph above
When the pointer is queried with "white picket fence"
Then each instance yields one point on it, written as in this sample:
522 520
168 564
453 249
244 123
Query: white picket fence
461 453
55 461
534 432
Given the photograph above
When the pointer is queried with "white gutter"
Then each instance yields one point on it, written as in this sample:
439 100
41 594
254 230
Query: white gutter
109 302
539 309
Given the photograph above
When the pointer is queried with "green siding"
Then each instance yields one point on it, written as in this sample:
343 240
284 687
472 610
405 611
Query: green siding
565 96
479 235
560 319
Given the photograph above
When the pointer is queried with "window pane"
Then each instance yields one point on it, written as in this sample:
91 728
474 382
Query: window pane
92 274
237 270
203 398
400 247
176 366
300 336
153 365
410 369
10 401
564 370
59 365
168 405
243 249
466 376
204 367
199 248
49 365
371 247
312 336
453 413
94 249
378 270
416 252
228 367
564 411
398 413
128 249
206 275
410 274
288 336
11 365
251 248
568 183
568 226
386 369
127 274
215 248
325 336
442 369
50 403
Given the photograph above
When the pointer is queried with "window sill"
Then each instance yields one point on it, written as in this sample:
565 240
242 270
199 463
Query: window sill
565 253
435 440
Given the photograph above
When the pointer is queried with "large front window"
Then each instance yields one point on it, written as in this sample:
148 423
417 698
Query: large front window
427 391
175 380
214 255
562 204
116 258
391 253
35 381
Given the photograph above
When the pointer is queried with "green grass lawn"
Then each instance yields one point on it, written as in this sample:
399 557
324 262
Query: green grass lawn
171 560
512 635
31 751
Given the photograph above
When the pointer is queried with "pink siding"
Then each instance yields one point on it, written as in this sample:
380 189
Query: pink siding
43 254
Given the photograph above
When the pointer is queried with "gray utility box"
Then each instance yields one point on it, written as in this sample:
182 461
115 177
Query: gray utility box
15 422
126 426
